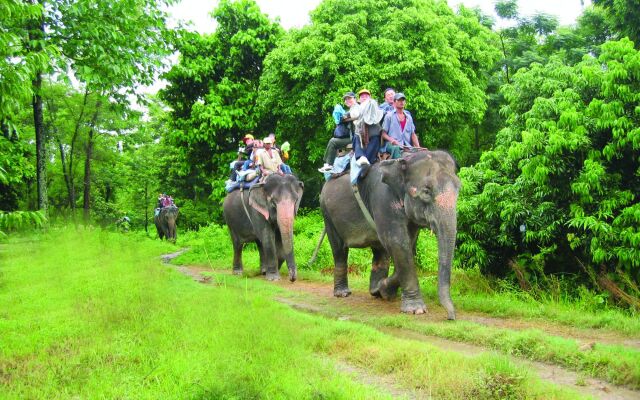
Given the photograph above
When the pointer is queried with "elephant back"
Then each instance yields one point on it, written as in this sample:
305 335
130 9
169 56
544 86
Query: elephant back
170 211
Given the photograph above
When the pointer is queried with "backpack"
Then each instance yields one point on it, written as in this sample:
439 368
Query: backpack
342 131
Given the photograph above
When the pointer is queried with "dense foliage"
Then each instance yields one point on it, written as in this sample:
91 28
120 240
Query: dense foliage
439 59
213 93
559 192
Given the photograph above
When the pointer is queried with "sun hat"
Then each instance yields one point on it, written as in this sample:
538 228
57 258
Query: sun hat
267 140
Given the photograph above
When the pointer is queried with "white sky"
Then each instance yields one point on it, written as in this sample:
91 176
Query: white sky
295 13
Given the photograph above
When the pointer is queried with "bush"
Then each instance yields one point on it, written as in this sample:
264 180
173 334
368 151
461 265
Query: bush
560 191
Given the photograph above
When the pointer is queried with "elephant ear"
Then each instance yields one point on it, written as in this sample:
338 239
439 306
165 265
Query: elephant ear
393 174
258 201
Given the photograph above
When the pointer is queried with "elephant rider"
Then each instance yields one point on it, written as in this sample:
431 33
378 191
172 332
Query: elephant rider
284 167
366 141
268 159
398 129
387 105
342 134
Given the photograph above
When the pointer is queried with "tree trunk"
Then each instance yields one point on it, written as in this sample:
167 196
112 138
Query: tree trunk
36 35
87 164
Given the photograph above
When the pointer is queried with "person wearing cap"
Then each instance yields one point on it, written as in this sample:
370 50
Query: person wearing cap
342 134
398 129
366 141
269 159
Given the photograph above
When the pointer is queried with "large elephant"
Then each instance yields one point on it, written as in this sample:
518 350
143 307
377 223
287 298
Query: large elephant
264 214
402 196
166 222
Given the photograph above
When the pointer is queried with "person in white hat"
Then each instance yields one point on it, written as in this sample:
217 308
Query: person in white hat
366 141
269 159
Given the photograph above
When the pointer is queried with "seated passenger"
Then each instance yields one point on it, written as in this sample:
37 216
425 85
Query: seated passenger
269 159
398 129
366 141
342 134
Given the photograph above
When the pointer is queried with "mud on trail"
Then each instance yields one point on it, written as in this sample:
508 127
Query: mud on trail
317 298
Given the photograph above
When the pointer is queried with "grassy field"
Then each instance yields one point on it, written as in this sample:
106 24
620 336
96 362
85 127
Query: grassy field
90 314
471 293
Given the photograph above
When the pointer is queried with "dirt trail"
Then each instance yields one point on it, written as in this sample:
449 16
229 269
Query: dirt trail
317 297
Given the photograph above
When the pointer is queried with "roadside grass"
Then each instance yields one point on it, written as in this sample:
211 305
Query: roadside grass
616 364
92 314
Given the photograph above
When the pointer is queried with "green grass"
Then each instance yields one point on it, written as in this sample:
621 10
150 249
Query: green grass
89 314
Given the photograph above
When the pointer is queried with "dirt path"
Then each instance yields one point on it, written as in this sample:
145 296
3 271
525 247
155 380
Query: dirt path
317 298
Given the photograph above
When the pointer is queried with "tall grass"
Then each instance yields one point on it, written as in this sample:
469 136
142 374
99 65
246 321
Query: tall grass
89 314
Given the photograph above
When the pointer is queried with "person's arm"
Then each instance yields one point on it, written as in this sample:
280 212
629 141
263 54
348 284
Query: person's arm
414 137
386 126
388 138
414 140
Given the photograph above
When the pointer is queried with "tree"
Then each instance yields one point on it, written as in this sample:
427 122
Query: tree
213 92
438 59
110 46
560 191
623 16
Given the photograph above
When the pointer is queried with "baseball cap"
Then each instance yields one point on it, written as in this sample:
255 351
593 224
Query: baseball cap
348 94
247 137
399 96
267 140
364 91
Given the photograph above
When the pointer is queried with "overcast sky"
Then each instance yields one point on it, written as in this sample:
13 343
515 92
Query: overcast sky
295 13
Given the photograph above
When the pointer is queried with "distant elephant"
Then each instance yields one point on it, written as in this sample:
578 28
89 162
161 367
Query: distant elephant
402 196
266 218
166 222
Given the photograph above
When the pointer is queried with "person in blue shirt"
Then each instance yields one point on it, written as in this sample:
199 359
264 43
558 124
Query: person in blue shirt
398 129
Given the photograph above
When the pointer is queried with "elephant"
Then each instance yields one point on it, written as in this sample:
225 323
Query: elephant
264 214
402 196
166 222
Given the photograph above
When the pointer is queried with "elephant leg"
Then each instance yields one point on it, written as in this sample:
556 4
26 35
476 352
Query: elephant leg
237 257
379 270
397 242
263 266
270 254
340 258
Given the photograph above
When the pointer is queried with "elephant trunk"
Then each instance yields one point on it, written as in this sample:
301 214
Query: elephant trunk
446 232
285 211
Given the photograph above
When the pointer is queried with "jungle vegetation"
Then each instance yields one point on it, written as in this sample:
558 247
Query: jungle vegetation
543 119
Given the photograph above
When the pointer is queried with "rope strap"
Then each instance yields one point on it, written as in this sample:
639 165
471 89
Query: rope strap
366 213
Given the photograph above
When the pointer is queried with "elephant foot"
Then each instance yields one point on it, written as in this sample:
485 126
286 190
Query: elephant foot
293 274
385 290
237 271
413 306
376 278
273 276
341 292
